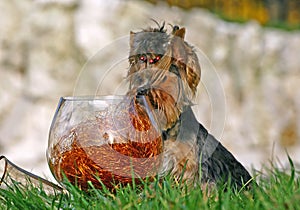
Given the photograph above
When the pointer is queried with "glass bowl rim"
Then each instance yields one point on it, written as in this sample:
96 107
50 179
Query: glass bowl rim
93 97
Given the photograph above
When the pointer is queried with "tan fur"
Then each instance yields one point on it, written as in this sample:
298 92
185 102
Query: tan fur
180 160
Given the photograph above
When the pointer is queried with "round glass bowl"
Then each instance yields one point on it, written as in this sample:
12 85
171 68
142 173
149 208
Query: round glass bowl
110 140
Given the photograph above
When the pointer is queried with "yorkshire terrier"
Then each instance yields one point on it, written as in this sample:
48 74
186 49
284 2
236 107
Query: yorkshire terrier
165 69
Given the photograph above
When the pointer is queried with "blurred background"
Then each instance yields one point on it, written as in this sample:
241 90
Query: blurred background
254 46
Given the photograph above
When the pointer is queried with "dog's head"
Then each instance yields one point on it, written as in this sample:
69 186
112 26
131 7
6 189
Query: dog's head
165 68
157 49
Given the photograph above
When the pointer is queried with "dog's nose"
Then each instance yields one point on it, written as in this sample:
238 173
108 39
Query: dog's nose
142 91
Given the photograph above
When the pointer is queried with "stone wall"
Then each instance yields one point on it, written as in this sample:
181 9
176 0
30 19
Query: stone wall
45 44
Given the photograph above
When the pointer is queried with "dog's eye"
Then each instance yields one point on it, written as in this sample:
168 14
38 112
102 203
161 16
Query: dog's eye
157 58
143 58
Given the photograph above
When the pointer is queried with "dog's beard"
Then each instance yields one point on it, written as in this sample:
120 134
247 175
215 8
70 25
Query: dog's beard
164 90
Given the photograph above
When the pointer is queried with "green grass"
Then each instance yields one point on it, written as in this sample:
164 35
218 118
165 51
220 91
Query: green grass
276 190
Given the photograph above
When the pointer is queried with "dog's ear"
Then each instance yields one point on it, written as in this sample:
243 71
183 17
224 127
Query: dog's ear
193 71
186 60
179 32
